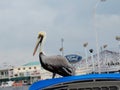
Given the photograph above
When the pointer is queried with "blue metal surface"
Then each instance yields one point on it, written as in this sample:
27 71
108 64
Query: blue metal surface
45 83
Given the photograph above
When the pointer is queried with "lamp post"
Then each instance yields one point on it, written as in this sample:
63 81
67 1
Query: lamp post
118 39
93 63
105 57
62 48
104 47
85 47
96 35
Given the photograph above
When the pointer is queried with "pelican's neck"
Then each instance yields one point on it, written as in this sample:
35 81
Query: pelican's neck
41 45
41 48
41 54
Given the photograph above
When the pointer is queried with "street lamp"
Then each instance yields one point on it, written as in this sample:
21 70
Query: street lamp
93 63
104 46
118 39
62 48
85 47
105 57
96 34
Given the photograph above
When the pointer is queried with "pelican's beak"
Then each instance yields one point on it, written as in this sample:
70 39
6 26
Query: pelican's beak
35 49
39 41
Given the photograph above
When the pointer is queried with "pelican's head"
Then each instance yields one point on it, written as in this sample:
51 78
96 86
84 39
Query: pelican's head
41 36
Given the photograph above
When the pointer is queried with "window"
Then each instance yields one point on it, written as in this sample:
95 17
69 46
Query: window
104 88
24 68
73 89
88 89
2 73
81 89
85 89
96 88
21 74
18 68
113 88
29 67
16 75
34 67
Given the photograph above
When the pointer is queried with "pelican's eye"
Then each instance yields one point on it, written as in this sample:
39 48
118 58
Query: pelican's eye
40 35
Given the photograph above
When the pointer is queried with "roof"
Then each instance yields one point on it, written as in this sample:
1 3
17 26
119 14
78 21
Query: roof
32 63
45 83
20 78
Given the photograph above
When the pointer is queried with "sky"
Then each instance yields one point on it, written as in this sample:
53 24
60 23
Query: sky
76 21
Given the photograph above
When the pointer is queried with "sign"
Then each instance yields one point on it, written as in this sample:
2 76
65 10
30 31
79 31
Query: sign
73 58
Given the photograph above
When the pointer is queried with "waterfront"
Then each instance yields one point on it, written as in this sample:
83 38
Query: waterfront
16 88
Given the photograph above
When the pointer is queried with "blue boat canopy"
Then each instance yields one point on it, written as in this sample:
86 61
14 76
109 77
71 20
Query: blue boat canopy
46 83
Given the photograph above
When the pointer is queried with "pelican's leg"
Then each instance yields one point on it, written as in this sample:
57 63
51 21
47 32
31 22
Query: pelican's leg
53 75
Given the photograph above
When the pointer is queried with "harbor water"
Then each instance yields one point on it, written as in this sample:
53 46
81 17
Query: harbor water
16 88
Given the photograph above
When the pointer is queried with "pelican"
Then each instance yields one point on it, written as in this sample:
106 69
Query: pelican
56 64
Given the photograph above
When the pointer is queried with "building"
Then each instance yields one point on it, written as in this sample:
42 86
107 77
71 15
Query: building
4 76
27 73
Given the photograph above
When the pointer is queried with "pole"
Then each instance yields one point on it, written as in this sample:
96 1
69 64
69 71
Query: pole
85 47
93 63
62 40
86 57
119 48
96 35
118 39
105 57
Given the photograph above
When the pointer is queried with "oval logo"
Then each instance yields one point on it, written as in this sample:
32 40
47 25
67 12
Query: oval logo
73 58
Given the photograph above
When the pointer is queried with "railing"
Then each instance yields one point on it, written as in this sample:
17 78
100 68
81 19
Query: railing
107 69
24 74
4 77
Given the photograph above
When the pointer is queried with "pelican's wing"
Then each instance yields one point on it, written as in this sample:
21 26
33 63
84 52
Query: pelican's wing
56 61
59 65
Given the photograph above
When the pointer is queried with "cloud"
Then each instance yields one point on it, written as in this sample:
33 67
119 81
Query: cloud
21 21
108 26
108 21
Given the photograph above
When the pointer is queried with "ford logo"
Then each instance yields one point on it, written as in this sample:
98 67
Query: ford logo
73 58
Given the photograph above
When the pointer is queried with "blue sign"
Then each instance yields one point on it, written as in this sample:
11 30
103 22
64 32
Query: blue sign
73 58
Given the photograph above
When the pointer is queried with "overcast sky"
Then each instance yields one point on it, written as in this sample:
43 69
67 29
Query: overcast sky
73 20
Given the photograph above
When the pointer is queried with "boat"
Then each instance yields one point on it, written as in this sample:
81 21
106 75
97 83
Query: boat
101 81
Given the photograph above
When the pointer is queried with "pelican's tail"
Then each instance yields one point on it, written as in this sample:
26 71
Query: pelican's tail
69 71
72 71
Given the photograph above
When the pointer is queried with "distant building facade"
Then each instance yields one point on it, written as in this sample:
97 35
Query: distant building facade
30 71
